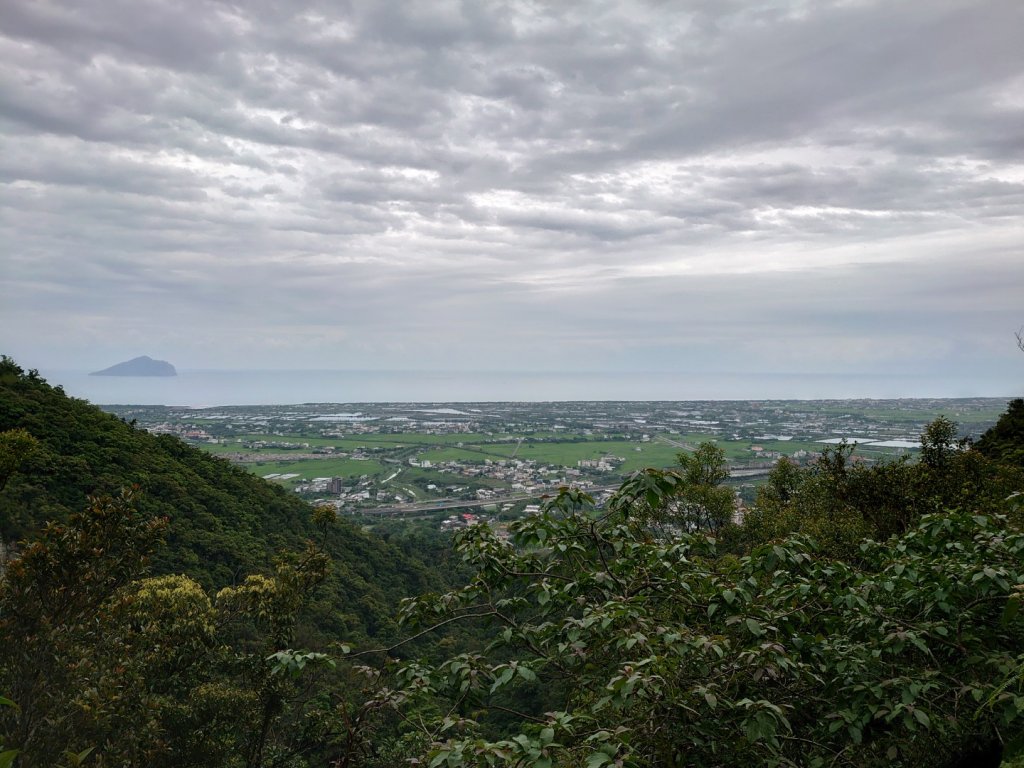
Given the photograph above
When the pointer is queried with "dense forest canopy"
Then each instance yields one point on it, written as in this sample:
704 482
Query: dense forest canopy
173 610
1005 441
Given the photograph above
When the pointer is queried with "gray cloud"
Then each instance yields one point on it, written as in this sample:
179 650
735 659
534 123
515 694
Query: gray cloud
617 185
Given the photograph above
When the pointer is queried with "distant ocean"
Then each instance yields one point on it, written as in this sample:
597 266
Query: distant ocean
209 388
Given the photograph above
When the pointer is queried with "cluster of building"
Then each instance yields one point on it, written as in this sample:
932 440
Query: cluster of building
464 520
184 431
604 464
522 475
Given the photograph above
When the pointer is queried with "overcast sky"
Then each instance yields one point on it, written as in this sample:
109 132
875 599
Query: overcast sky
809 187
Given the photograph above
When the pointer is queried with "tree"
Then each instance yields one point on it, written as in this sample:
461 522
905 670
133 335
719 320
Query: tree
16 447
151 671
771 514
939 443
839 502
50 597
655 652
703 503
820 501
271 606
782 484
1004 441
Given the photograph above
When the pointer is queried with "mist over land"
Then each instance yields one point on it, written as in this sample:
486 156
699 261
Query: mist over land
212 387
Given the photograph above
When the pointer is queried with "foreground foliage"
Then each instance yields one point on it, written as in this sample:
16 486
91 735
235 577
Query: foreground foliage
145 671
662 652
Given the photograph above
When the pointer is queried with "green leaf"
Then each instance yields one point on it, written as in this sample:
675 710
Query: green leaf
503 678
1011 610
76 759
597 759
754 627
1014 746
7 758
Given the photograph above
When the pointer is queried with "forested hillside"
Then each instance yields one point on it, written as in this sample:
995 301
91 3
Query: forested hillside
1005 441
224 523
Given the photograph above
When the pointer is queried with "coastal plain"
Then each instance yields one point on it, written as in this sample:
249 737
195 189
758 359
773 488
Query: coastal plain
398 457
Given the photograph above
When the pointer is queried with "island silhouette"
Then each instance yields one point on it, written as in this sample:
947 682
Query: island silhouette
139 366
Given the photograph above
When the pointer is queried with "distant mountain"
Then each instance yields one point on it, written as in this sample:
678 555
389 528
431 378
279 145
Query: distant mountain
139 366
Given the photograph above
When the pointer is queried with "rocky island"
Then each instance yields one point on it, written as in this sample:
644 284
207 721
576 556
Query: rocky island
139 366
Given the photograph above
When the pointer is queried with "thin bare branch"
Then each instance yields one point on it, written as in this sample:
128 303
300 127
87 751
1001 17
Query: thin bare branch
418 635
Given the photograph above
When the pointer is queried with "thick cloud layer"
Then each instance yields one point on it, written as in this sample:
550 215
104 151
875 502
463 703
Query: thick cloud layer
735 186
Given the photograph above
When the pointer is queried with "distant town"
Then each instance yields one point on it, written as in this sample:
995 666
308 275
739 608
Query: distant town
454 463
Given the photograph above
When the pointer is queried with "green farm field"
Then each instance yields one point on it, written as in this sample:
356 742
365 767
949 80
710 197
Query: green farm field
369 441
555 449
563 454
892 415
307 469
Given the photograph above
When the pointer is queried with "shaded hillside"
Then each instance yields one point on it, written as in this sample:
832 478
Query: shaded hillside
224 523
1004 442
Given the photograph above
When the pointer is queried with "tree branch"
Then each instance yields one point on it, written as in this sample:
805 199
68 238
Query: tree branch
418 635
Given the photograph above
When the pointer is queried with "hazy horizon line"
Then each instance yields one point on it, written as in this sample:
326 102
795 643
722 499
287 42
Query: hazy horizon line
523 371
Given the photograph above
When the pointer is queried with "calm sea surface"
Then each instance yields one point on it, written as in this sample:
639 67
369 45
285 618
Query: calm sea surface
208 388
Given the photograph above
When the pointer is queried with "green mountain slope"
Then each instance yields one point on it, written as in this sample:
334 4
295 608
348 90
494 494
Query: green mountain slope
1004 441
224 523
